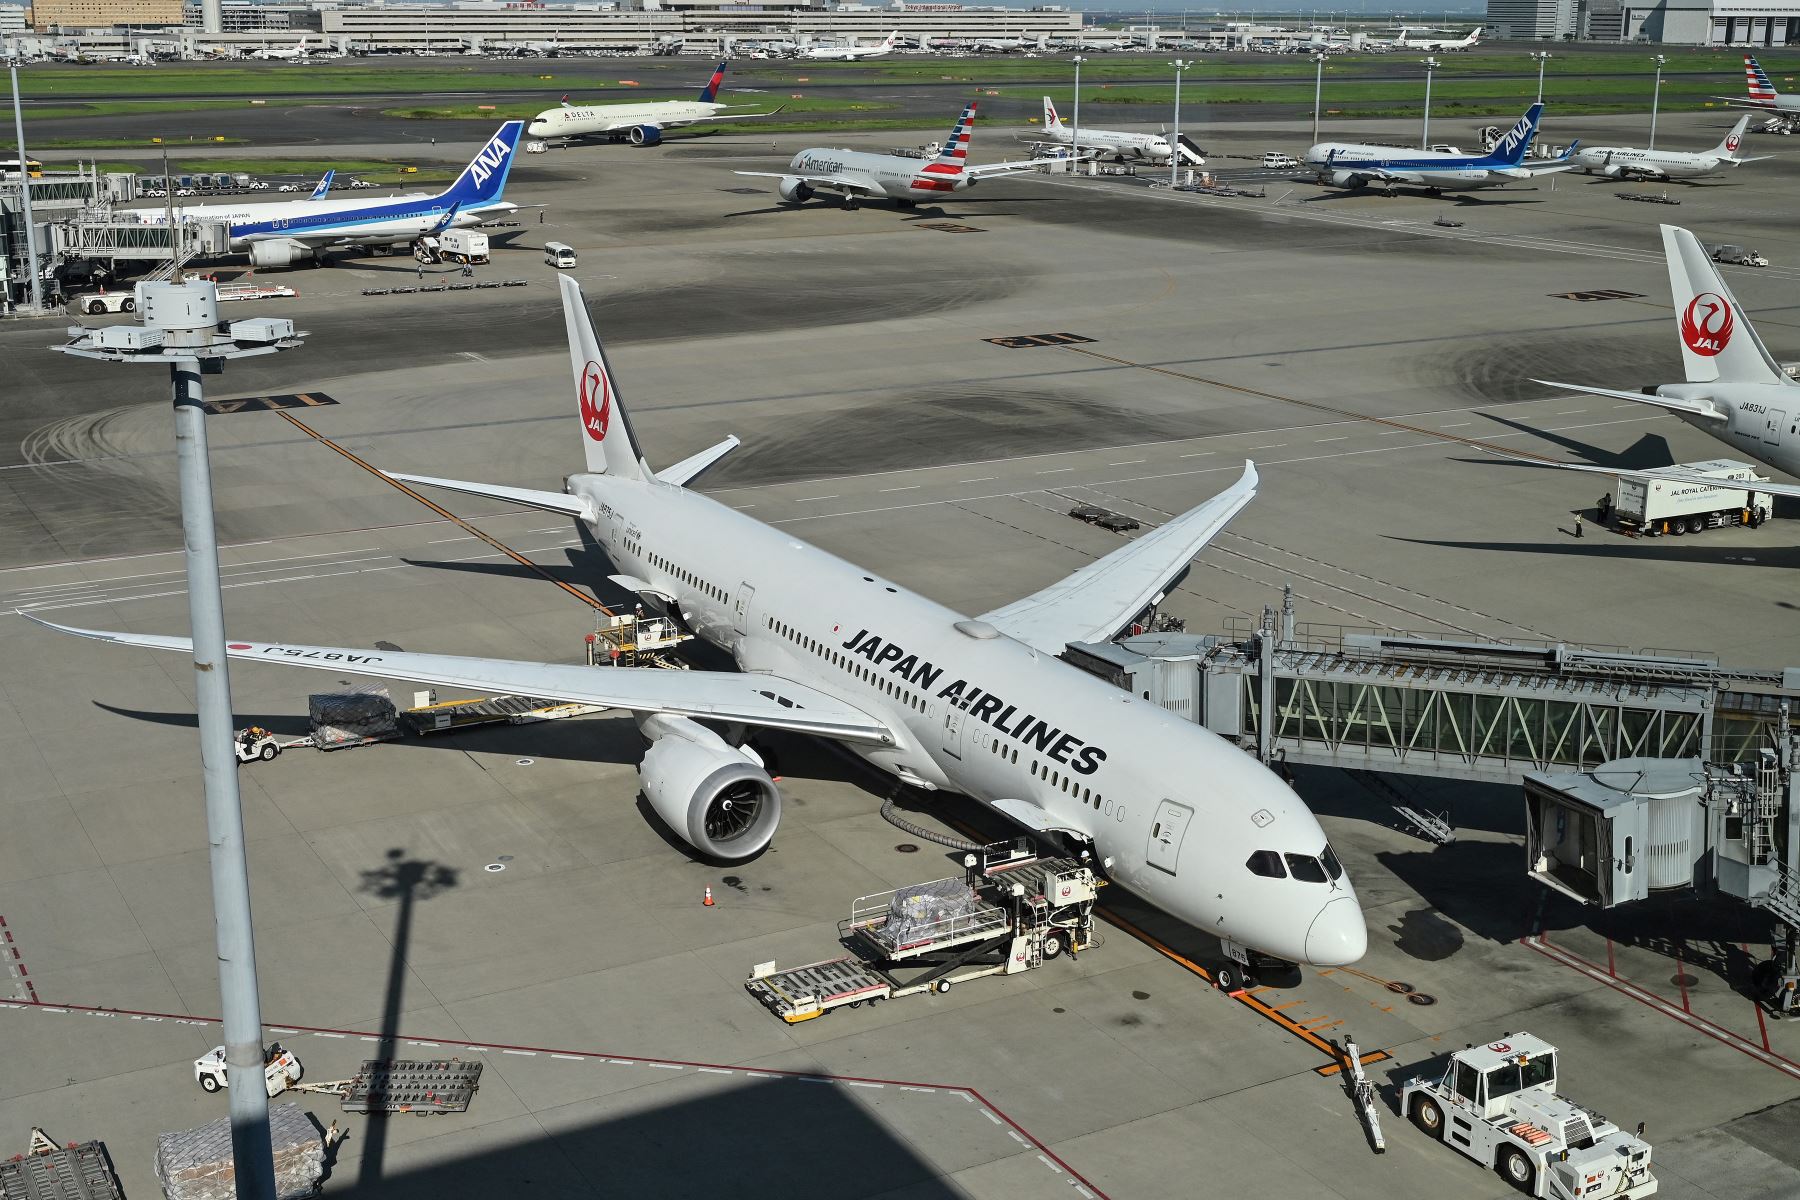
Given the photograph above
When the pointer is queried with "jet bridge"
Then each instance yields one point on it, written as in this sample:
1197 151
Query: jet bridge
1407 704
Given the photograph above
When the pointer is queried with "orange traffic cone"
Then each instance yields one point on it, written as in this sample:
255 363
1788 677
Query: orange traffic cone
708 902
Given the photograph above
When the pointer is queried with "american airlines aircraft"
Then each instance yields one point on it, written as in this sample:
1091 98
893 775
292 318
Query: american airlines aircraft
1624 162
640 124
1763 94
1734 391
1151 146
851 53
1351 165
938 700
284 232
901 178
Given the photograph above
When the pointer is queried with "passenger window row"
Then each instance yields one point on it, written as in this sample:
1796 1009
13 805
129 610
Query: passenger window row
692 580
1055 778
1304 867
899 689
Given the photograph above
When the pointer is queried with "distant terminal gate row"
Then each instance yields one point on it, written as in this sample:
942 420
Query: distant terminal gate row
1490 711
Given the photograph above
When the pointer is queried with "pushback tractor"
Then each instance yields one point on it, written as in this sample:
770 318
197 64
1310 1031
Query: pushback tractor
1011 911
1498 1104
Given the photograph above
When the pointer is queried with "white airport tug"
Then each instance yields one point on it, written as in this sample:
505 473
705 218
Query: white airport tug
1498 1104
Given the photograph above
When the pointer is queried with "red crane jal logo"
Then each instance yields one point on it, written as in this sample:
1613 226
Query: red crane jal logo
596 401
1706 325
1731 144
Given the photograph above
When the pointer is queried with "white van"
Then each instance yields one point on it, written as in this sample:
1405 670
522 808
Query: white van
559 255
1279 162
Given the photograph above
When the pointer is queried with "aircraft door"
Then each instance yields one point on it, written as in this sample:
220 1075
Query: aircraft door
741 614
953 729
1772 432
1165 834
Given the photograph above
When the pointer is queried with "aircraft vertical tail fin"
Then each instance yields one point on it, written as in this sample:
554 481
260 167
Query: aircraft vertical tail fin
1717 341
1728 148
606 436
1510 150
1051 120
955 154
484 179
1762 91
710 92
324 186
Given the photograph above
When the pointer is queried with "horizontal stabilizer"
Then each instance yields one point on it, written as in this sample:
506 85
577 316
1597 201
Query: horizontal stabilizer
1700 407
556 502
763 700
688 469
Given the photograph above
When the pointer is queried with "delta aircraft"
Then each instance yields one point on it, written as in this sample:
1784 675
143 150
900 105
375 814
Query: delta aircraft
1624 162
938 700
901 178
640 124
1121 143
1353 166
284 232
851 53
1735 390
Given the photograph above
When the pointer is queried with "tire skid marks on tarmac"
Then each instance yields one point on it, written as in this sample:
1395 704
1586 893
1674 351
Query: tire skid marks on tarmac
1022 1141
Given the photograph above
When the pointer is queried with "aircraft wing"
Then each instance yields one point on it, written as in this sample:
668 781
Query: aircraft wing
764 700
1009 168
834 183
728 117
1687 408
1789 491
1093 603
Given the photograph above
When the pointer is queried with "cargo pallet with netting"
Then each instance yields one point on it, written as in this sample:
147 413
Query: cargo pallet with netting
1011 911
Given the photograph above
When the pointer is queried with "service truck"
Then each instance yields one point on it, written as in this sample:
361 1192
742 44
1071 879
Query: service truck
463 246
1653 506
1498 1104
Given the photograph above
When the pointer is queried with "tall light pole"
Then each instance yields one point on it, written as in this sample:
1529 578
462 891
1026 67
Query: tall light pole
1180 65
1542 56
1075 136
1318 90
1655 97
181 329
1430 65
37 276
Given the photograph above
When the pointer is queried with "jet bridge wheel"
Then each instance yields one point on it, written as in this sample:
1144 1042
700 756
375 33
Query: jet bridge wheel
1516 1169
1428 1117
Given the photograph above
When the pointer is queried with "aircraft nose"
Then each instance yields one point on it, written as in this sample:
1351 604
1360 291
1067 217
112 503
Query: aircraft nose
1338 936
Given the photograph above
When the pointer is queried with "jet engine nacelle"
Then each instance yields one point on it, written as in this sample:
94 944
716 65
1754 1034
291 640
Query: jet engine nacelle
715 797
1349 179
793 189
644 135
278 254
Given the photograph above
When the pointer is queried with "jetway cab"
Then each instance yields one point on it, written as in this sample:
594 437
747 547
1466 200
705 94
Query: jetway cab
1628 828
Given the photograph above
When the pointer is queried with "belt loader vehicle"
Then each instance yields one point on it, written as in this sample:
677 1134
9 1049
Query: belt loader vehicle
1498 1104
1011 911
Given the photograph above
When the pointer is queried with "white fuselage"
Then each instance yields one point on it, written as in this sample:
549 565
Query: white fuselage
894 175
1350 164
1173 811
1763 419
339 222
588 120
1621 162
844 53
1112 141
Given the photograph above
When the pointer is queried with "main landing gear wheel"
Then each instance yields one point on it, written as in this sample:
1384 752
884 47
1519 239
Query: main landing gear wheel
1429 1117
1516 1169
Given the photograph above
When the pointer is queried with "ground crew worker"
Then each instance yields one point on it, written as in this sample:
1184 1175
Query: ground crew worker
1605 507
1577 524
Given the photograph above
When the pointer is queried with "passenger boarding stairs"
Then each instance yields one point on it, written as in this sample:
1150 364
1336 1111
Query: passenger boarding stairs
1190 154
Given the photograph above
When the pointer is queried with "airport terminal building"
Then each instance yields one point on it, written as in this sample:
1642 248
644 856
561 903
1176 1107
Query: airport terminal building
1751 23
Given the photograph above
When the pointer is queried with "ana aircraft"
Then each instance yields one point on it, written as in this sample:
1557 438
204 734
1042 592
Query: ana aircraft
1438 44
323 188
851 53
1763 94
1734 391
284 232
901 178
640 124
1119 142
938 700
1349 165
1623 162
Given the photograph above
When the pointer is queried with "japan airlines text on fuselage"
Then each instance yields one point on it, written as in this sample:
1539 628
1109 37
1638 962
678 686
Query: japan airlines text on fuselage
1627 162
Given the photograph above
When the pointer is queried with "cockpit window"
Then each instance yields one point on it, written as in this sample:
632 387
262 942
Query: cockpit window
1306 868
1333 867
1266 863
